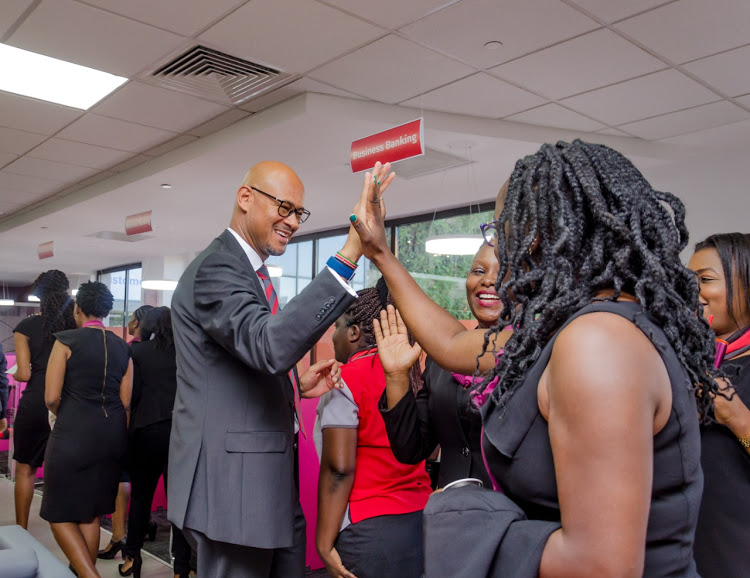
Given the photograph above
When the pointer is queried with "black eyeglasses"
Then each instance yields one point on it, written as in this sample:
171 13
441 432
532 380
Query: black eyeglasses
489 232
285 207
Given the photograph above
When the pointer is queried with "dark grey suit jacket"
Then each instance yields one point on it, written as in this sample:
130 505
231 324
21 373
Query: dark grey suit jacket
231 460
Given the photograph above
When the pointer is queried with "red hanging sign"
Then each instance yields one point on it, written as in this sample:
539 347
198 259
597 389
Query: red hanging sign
46 250
395 144
138 223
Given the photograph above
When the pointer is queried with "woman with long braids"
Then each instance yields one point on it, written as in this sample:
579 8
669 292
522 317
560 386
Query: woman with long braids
721 265
369 504
591 430
88 387
34 337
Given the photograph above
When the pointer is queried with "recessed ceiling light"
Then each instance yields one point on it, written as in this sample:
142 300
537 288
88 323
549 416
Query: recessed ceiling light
493 45
30 74
166 186
7 302
33 299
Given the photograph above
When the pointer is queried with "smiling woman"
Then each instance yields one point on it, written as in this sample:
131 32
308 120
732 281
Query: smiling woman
722 543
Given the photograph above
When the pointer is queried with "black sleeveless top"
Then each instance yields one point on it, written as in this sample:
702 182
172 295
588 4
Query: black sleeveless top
517 448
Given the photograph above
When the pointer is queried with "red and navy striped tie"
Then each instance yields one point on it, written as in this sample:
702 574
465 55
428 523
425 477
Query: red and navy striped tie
273 302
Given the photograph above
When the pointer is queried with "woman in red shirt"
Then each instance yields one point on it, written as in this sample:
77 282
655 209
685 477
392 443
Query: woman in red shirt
369 504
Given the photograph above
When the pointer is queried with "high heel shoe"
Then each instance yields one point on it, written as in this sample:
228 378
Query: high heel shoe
111 550
134 570
151 531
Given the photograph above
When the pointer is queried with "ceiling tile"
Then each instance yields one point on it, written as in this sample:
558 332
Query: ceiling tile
26 184
36 116
263 31
91 37
6 158
51 170
613 132
222 121
613 10
19 197
158 107
419 70
172 14
12 10
579 65
129 164
270 98
744 100
684 121
7 207
479 95
309 85
690 29
652 95
17 141
735 136
390 13
171 145
462 29
76 153
557 116
113 133
728 72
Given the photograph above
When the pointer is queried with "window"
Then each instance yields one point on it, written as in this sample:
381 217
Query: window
125 284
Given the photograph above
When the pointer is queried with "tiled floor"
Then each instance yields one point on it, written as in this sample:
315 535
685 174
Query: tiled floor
152 567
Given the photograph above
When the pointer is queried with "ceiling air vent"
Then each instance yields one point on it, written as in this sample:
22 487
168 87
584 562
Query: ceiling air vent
216 76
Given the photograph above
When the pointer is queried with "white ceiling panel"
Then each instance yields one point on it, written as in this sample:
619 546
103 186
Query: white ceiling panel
647 96
557 116
613 132
220 122
365 72
729 72
735 136
462 29
158 107
744 100
28 185
130 163
61 172
579 65
6 207
19 197
11 11
613 10
294 35
171 145
35 116
77 153
684 121
6 158
478 95
113 133
690 29
172 15
17 141
84 35
271 98
390 13
309 85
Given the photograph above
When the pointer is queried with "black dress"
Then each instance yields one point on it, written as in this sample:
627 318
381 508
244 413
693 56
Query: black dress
517 446
31 425
441 414
722 540
87 446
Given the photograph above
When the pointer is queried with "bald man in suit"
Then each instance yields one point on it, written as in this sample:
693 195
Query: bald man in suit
233 452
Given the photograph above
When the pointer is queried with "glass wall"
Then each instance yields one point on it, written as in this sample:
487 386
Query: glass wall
125 284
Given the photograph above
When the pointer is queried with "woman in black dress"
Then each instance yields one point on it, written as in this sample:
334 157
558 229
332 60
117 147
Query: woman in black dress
722 541
34 337
88 387
441 412
154 388
591 430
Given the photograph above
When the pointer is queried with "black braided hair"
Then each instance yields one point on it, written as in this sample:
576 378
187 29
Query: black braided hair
734 253
580 218
94 299
56 305
367 307
141 312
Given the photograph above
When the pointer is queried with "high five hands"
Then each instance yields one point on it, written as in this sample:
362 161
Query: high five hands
397 355
368 215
